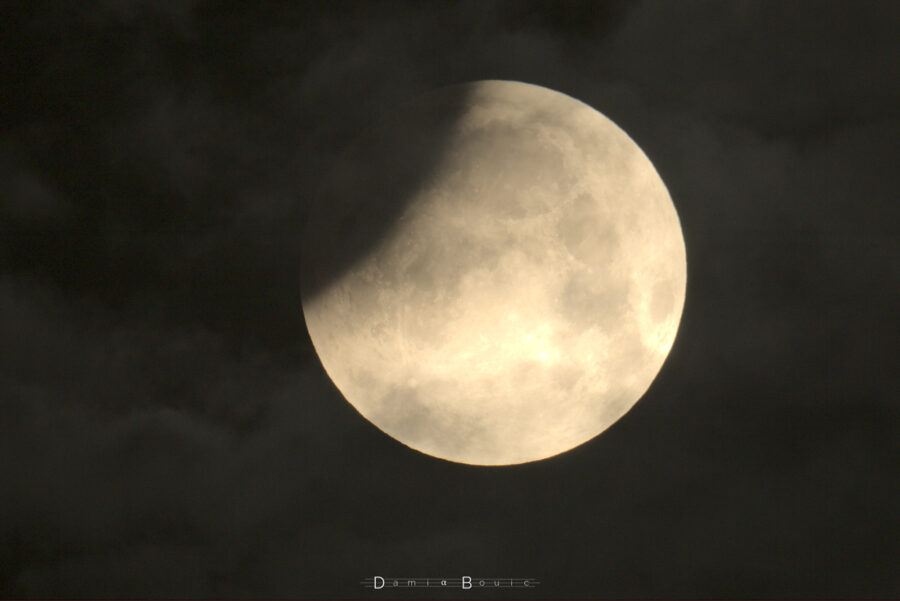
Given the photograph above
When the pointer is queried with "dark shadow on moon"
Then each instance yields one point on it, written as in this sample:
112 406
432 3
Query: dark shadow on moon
369 186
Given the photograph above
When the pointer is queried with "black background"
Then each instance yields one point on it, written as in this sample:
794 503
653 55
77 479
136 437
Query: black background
167 431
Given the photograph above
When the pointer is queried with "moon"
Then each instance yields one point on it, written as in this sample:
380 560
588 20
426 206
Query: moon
493 274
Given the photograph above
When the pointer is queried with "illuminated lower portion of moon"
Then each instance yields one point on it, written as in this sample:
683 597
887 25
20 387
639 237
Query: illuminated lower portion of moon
528 291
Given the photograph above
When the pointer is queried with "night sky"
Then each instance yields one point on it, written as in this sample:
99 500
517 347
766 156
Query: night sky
166 429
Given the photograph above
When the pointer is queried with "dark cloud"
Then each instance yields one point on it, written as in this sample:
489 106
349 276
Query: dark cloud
167 431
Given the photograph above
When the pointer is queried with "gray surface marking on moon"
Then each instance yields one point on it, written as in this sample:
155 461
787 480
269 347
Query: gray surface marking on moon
528 293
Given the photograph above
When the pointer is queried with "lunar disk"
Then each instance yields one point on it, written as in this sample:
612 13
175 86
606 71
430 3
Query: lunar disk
494 274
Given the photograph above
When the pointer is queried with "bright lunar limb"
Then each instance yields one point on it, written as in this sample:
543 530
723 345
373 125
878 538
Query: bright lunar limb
526 291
